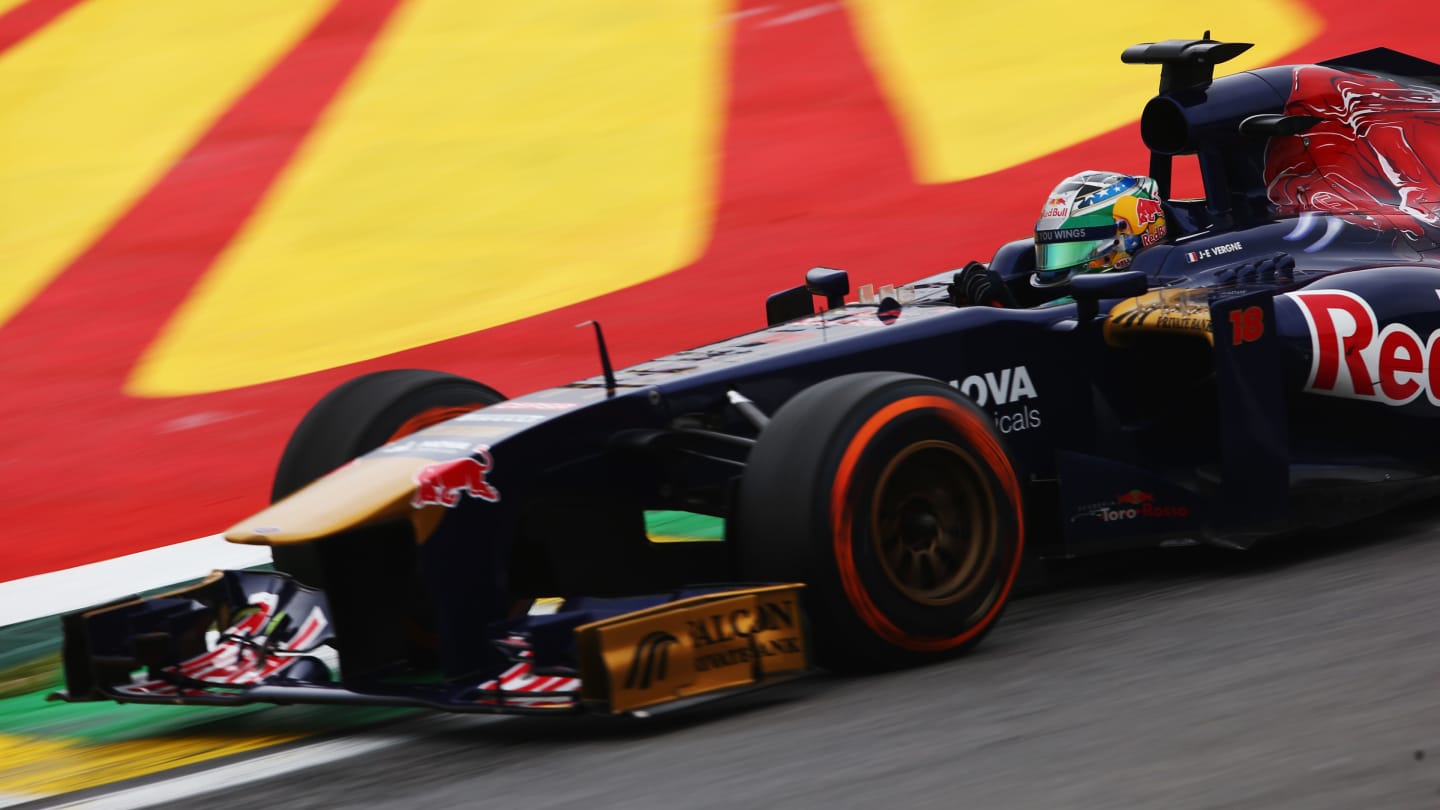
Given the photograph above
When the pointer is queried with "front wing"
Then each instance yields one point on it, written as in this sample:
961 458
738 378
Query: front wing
242 637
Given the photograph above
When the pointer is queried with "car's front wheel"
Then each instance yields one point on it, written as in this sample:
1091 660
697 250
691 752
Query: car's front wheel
893 499
355 418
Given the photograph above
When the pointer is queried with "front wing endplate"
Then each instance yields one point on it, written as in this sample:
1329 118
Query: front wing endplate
695 646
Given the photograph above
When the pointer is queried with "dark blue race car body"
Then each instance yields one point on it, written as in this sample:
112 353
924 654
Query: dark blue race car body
1267 370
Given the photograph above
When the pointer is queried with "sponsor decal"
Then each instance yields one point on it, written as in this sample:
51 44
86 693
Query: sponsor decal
1148 211
1184 322
1141 223
1352 357
442 484
842 320
651 660
1008 393
692 646
1087 234
421 446
480 431
1071 234
1180 309
1003 387
1060 211
1213 251
533 405
1155 317
723 639
1136 504
485 415
1150 222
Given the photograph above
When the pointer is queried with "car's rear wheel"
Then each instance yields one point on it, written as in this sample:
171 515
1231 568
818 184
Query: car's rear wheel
354 419
893 499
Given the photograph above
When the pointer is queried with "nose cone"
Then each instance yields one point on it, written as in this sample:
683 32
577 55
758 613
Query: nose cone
364 491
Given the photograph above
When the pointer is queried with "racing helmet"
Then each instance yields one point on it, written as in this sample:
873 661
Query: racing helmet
1093 222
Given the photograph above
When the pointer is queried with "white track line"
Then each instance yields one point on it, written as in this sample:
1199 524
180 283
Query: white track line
803 14
187 787
740 15
22 600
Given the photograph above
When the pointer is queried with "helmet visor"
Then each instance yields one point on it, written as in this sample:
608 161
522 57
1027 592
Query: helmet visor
1057 256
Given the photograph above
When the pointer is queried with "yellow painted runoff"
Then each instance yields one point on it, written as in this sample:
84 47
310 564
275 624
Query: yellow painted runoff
6 5
488 162
97 105
34 768
981 87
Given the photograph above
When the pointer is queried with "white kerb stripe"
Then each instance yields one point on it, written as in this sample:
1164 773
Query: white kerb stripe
22 600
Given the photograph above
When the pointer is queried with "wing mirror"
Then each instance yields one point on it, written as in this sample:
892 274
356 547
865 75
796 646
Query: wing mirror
795 302
829 282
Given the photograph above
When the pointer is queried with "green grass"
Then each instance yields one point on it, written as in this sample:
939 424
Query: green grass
683 527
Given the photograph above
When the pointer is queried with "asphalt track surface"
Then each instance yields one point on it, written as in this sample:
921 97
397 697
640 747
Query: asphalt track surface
1303 676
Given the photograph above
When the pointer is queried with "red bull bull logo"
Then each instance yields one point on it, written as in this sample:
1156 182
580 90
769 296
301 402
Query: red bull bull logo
1148 211
1143 218
1055 207
1151 216
1136 496
442 484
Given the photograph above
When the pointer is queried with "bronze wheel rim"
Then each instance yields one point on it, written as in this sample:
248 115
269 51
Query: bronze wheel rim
934 523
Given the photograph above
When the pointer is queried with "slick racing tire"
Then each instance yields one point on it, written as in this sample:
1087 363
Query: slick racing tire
352 420
892 498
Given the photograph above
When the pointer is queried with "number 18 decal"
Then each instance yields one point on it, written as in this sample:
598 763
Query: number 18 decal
1246 325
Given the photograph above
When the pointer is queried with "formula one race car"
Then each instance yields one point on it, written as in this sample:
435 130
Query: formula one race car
875 471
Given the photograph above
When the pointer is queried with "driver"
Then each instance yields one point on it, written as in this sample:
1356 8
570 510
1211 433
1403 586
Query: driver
1094 222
